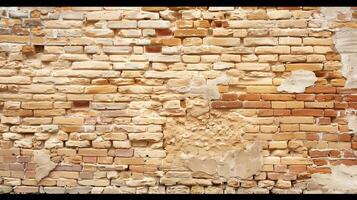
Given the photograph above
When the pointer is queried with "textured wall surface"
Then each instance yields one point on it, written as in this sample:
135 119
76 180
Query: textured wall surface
178 100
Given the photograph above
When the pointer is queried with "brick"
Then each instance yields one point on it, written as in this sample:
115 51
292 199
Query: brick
156 24
321 89
190 32
295 160
37 105
277 97
226 104
261 89
249 97
68 120
260 41
304 66
320 128
103 15
253 66
256 104
100 89
272 50
226 42
92 152
305 97
122 24
307 112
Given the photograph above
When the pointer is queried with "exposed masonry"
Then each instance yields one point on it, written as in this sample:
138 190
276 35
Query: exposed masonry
178 100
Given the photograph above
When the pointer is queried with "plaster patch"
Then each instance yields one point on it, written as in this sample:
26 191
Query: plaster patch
346 44
298 81
208 88
44 165
343 179
331 13
352 121
236 163
242 164
208 166
199 85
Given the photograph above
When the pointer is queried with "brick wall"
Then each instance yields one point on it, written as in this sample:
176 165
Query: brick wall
172 100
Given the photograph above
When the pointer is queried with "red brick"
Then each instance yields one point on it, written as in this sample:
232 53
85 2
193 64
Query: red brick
344 137
305 97
334 154
348 162
354 145
229 97
249 97
341 105
321 89
323 170
81 104
324 97
282 112
163 32
312 136
342 90
153 49
352 105
226 104
256 104
320 162
343 128
349 154
324 120
225 24
307 112
318 153
338 97
330 113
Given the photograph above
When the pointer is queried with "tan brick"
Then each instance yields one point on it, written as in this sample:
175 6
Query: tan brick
304 66
295 161
319 128
190 32
227 42
37 105
100 89
92 152
275 49
68 120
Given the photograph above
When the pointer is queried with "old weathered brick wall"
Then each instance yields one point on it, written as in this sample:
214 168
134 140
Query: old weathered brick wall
178 100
